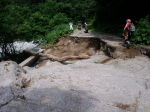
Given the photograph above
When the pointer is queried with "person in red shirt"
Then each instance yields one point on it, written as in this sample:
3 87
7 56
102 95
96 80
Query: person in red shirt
127 29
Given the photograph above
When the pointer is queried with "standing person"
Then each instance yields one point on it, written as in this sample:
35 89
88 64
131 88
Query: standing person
86 29
132 29
127 31
71 26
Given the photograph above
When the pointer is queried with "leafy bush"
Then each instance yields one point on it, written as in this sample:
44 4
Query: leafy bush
57 32
12 18
142 33
58 19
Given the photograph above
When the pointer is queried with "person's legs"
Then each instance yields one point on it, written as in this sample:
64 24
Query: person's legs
129 35
126 35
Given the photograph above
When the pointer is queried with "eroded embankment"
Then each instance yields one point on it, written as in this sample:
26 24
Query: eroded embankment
71 48
74 48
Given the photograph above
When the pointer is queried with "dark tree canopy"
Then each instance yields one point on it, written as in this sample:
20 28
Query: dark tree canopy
120 10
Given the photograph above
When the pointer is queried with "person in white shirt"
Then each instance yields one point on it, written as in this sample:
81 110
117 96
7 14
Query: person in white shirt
71 25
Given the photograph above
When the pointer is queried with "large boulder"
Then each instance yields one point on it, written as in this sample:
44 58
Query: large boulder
12 78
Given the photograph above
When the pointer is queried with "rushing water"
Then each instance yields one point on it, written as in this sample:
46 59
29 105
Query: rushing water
20 46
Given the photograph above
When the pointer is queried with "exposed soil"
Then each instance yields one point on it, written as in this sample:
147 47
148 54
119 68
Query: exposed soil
74 46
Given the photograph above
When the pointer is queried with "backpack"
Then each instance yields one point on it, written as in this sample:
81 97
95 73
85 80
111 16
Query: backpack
132 27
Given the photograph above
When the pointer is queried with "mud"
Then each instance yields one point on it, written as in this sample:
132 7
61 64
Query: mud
74 46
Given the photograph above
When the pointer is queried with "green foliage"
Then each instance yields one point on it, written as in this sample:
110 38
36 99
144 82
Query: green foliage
34 19
11 20
37 25
57 32
142 33
58 19
82 10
